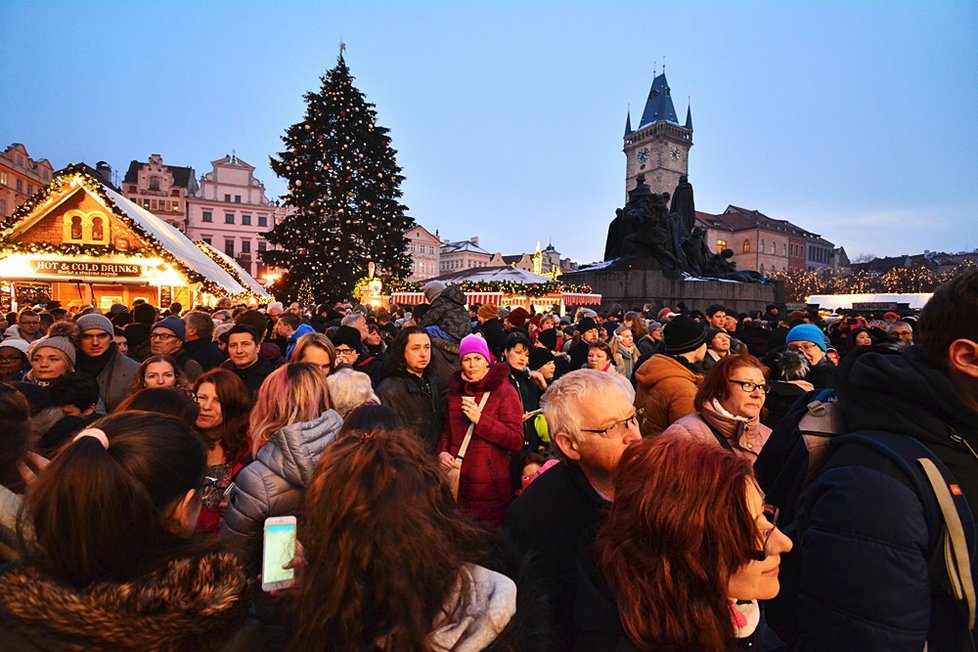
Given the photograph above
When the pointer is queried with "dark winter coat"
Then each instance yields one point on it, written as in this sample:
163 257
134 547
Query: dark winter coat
188 365
529 393
191 604
448 311
371 365
495 334
484 483
419 402
863 582
549 522
207 354
114 376
254 375
444 359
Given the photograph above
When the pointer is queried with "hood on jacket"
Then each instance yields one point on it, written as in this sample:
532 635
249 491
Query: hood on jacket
304 329
659 367
472 621
496 376
192 603
293 452
454 294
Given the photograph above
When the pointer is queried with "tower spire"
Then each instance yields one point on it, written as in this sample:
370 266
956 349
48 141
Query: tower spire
628 120
689 114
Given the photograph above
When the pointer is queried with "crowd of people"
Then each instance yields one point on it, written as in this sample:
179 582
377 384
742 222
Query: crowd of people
470 477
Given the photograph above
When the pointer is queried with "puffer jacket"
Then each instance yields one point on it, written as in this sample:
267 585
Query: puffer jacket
448 311
274 484
192 603
745 436
484 483
666 389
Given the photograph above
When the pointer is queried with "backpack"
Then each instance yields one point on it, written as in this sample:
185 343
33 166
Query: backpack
804 444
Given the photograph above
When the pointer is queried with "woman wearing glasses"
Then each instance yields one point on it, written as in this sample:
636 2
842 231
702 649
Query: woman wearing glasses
683 571
728 407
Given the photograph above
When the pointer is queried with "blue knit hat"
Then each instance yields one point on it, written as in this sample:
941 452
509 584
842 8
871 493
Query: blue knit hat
806 333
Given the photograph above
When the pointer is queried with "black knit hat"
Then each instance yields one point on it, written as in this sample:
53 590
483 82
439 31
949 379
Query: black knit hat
585 325
540 356
349 336
682 335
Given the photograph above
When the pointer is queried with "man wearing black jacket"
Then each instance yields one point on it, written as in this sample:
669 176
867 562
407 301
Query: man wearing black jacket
410 389
198 345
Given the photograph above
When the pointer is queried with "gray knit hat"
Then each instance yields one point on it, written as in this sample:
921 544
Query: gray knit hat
95 322
433 289
62 344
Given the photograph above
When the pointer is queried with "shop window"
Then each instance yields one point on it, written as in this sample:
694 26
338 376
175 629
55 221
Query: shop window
721 245
207 216
91 228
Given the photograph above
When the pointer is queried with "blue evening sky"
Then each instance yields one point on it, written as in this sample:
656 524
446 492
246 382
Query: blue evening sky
858 121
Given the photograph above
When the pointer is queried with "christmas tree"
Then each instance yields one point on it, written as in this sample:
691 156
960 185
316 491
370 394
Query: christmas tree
344 192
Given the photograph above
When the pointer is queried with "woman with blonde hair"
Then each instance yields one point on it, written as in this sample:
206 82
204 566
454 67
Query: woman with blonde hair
317 349
291 425
624 353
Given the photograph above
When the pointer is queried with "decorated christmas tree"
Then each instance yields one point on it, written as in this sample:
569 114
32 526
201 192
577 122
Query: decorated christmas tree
344 195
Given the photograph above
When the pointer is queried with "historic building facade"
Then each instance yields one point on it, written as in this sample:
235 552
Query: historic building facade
20 177
425 251
463 254
161 189
659 148
230 211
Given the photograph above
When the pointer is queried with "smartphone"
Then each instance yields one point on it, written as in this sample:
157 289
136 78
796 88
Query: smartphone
279 549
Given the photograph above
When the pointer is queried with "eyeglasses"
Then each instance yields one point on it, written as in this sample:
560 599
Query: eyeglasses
771 513
345 352
618 429
749 386
162 336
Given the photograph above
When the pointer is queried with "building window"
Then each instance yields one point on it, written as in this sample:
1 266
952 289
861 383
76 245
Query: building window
229 218
207 239
246 246
154 183
785 249
761 270
20 185
721 245
237 199
262 245
146 204
227 199
762 245
3 178
30 189
89 228
746 246
229 247
262 220
246 220
207 216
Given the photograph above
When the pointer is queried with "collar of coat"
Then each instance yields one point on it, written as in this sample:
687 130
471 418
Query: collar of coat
496 376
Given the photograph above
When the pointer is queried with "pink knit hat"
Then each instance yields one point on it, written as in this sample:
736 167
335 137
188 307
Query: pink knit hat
474 344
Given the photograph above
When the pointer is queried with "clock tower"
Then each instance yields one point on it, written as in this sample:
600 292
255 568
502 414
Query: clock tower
659 147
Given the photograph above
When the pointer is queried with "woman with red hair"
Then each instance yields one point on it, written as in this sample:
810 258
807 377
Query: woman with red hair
729 403
687 550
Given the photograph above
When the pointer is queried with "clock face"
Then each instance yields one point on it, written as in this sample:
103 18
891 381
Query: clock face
674 153
643 155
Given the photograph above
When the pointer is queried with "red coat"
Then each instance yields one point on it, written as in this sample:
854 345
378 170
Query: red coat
484 489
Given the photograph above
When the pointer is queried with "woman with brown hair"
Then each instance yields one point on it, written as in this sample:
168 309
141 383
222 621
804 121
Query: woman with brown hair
729 403
225 406
160 371
683 571
368 586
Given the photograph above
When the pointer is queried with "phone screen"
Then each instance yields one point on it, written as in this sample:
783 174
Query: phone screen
279 550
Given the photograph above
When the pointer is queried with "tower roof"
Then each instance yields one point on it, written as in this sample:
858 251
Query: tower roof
628 122
689 117
659 105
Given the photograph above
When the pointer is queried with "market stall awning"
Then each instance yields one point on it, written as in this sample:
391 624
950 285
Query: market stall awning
581 299
416 298
232 267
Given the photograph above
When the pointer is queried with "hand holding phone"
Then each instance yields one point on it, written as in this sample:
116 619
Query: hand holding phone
278 550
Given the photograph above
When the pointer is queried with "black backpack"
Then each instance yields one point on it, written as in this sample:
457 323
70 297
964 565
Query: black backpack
806 442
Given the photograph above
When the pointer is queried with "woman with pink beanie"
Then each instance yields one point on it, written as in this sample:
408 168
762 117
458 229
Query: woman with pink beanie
479 394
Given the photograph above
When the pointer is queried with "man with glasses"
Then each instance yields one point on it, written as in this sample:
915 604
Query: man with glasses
166 338
809 340
28 325
99 357
592 420
900 333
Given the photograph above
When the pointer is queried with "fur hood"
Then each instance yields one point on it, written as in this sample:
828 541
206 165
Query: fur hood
191 603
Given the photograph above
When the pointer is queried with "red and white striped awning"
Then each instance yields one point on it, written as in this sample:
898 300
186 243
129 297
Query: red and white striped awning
580 299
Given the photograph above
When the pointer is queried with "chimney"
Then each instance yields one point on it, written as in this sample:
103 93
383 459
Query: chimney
474 240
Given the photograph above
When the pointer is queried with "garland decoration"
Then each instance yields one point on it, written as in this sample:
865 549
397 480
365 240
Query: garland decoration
507 287
222 262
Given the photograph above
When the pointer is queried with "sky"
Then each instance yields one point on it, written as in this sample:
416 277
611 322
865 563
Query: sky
856 121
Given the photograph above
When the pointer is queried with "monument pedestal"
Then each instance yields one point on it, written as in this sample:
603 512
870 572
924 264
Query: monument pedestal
635 287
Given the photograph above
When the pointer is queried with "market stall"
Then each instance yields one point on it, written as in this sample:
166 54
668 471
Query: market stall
78 241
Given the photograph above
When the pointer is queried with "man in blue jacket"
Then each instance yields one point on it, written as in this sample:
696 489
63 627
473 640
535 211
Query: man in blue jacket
866 547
